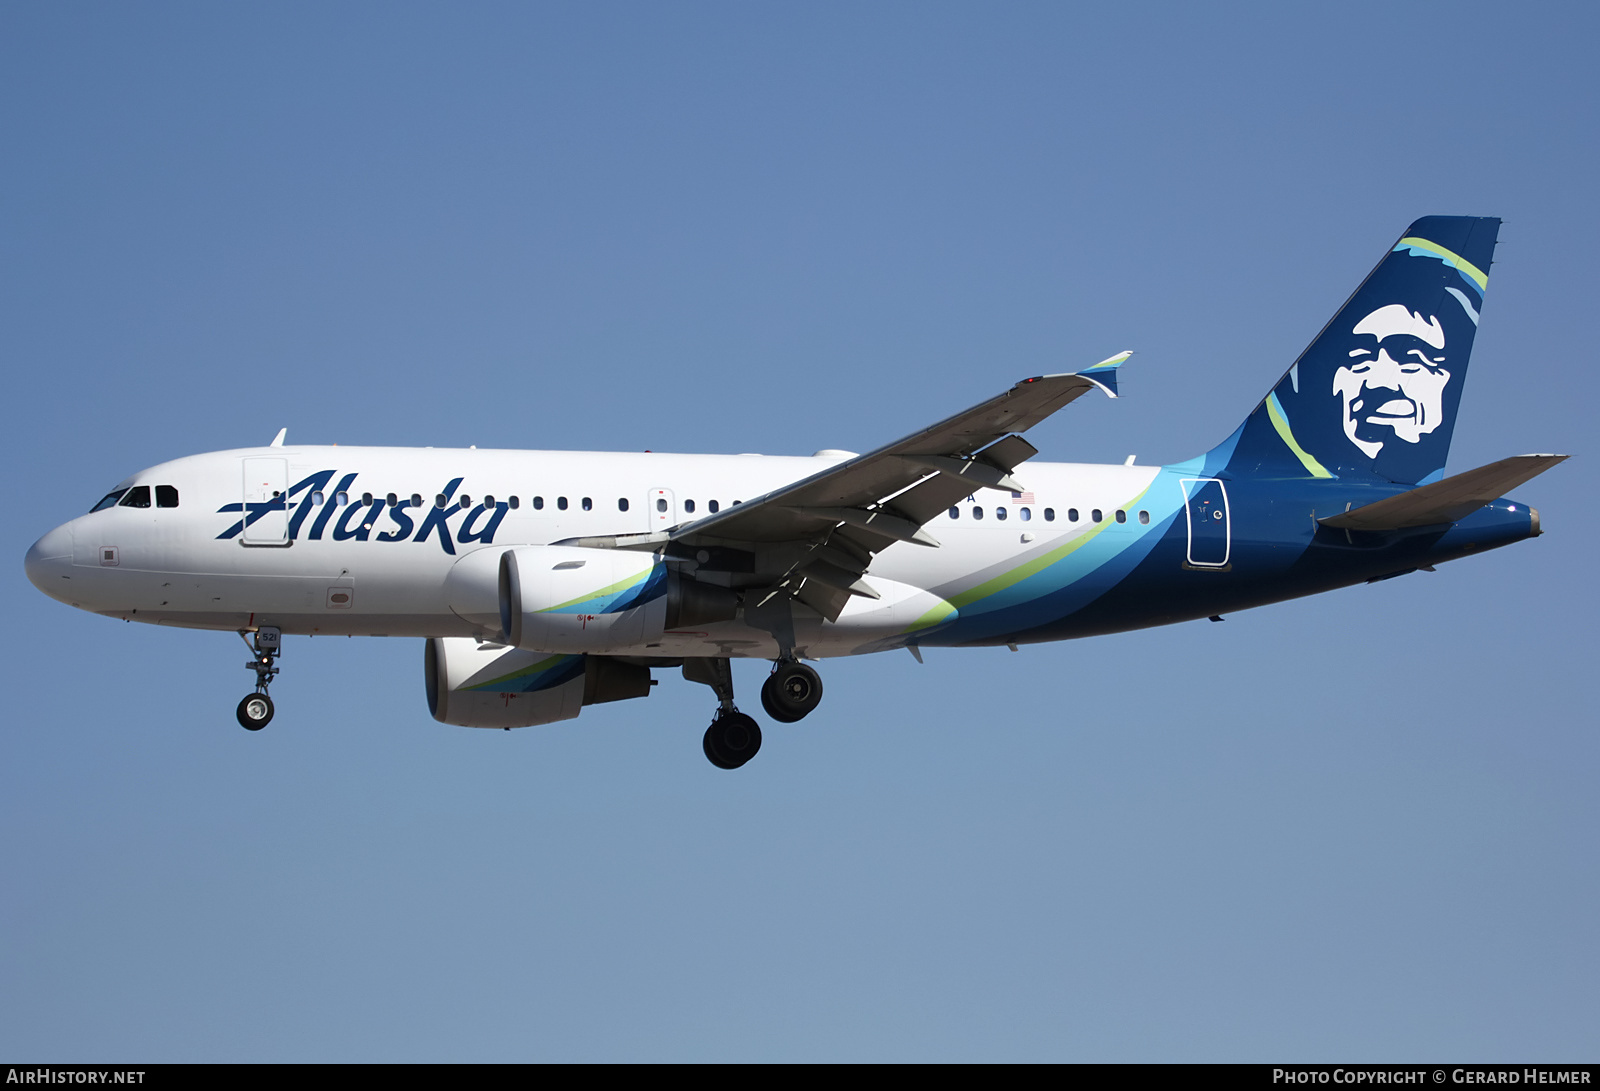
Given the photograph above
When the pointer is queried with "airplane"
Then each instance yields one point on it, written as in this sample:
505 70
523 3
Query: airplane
545 581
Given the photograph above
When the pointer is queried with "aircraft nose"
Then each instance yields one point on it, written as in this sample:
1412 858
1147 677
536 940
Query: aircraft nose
48 560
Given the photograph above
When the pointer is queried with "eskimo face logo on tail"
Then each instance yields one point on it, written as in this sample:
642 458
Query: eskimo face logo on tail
1392 381
1376 392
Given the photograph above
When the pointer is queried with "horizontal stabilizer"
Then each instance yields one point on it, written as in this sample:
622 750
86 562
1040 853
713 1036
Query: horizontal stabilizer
1448 500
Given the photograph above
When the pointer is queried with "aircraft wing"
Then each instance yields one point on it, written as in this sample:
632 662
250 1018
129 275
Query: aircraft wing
1445 501
818 535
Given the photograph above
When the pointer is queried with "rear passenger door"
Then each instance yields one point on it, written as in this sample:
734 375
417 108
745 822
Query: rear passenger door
1210 536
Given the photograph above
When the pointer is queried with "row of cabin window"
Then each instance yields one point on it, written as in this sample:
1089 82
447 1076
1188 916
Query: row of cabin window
465 501
139 497
1025 514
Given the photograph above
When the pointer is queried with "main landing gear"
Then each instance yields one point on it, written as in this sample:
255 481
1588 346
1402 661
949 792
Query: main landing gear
733 738
789 693
255 710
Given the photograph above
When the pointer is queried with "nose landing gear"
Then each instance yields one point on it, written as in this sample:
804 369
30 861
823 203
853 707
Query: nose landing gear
255 709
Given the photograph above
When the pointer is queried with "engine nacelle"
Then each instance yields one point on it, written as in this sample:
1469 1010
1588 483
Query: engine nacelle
576 599
490 685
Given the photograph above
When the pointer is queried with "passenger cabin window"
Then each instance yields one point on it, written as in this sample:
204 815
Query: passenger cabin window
688 506
661 504
488 501
1049 515
1122 516
1000 513
137 497
538 503
166 496
955 513
109 500
392 500
713 507
1072 515
622 503
441 500
588 505
514 502
466 502
1025 514
977 513
366 497
1144 517
1095 515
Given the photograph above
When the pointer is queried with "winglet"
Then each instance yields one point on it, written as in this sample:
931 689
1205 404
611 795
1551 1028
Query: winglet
277 441
1104 374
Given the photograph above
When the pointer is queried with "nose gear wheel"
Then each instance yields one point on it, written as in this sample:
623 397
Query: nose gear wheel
255 711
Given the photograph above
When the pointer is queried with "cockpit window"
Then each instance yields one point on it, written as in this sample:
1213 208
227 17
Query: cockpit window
137 497
166 496
109 501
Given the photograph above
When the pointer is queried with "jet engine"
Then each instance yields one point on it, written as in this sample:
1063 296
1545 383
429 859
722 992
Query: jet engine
472 684
574 599
578 599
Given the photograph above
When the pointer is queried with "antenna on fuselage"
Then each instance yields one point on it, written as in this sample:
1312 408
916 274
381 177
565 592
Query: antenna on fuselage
277 440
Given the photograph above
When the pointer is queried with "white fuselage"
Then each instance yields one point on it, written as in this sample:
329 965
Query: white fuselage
353 560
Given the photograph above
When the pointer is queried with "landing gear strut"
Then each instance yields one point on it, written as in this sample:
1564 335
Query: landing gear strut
791 691
733 738
255 710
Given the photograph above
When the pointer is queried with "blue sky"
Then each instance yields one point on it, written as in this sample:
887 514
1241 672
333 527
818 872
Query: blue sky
1360 825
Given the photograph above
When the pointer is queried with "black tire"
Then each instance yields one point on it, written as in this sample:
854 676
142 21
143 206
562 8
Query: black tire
255 711
732 740
773 703
713 754
791 692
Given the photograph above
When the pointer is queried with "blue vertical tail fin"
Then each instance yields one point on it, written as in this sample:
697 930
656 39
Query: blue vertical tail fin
1375 394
